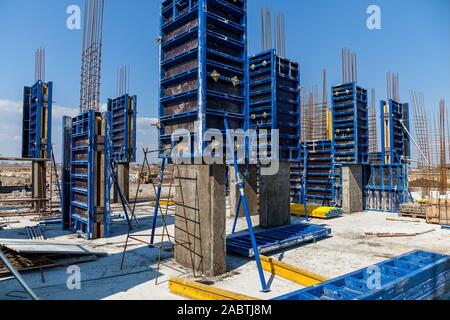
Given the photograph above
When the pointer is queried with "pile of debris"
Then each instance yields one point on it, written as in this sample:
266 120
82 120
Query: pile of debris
29 255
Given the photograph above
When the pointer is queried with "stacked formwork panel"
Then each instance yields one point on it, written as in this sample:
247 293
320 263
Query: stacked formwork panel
386 179
89 174
203 68
275 99
313 168
122 114
386 187
37 121
395 146
350 124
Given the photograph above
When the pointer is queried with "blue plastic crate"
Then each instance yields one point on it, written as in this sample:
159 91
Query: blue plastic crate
385 187
276 239
275 98
203 69
418 275
37 121
122 116
350 124
392 116
323 174
89 169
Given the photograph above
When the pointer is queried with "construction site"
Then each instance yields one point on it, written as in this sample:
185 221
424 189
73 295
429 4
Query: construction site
258 187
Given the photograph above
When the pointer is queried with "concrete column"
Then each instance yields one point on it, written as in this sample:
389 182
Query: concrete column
275 198
38 183
200 197
352 188
251 191
123 178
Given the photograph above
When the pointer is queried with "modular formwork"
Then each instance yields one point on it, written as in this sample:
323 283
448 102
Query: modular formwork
203 69
395 145
418 275
275 98
122 117
37 121
386 187
313 165
89 174
350 124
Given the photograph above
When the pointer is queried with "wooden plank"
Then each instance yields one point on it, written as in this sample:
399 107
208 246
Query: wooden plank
197 291
291 273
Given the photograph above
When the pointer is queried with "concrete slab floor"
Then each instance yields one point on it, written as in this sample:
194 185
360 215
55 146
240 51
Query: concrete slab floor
347 250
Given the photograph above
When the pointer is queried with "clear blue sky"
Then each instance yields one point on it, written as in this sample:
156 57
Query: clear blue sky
414 41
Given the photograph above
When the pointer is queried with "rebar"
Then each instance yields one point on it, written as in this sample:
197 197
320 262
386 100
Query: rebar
91 56
39 68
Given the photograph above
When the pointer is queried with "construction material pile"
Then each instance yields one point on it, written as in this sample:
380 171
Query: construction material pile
438 211
316 211
413 210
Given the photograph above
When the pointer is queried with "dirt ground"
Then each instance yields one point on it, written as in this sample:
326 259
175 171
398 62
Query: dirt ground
347 250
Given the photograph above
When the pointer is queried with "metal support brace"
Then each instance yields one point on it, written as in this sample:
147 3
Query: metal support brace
158 198
17 275
240 182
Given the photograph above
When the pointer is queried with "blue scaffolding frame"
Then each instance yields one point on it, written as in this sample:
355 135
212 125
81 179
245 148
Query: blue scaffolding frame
396 145
350 124
274 98
203 76
122 117
386 187
313 167
90 184
37 121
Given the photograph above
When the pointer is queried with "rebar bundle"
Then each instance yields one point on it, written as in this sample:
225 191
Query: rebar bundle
279 37
393 86
91 55
443 146
39 68
349 66
421 125
123 80
373 127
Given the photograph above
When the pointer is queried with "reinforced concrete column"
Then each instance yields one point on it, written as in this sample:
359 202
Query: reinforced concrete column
200 218
251 190
352 188
39 180
275 198
123 179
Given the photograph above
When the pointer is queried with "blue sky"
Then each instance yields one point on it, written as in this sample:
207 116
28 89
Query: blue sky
414 41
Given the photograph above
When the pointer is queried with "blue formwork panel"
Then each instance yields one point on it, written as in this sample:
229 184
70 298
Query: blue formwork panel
350 124
37 121
203 69
418 275
122 117
276 239
90 175
275 98
395 146
314 161
385 187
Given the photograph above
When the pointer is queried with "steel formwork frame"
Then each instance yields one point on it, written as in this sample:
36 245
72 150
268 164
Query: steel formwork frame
122 117
37 121
203 77
386 187
396 145
315 174
350 124
274 98
89 166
